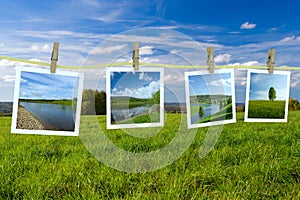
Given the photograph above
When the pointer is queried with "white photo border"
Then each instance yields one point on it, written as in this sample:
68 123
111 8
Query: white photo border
188 106
108 97
79 90
288 74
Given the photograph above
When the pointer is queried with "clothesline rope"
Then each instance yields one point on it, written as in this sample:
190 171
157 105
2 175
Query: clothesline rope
141 64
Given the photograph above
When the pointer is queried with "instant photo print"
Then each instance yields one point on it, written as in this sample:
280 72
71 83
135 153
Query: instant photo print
267 96
46 103
135 99
210 98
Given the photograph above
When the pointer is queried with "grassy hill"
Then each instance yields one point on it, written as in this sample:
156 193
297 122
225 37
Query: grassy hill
249 161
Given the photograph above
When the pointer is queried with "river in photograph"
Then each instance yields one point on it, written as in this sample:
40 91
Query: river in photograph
122 114
52 116
208 111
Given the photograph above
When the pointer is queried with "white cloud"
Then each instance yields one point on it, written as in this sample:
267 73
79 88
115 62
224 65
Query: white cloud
105 50
8 78
247 25
43 48
142 92
149 60
223 58
221 82
174 51
288 39
249 63
146 50
174 78
144 76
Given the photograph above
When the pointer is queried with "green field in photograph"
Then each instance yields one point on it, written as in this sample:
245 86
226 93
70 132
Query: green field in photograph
266 109
249 161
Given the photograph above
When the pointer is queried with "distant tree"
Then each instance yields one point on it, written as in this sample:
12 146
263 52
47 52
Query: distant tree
272 94
293 104
201 111
229 100
100 102
93 102
88 102
156 97
1 114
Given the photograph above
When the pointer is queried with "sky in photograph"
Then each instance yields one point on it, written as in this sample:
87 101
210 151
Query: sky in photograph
261 83
46 86
138 84
94 32
210 84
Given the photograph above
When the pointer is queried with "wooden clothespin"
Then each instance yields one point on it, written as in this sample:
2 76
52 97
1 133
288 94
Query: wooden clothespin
54 57
135 55
271 60
210 59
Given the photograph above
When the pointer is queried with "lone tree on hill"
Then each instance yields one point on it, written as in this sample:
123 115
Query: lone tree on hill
272 94
201 111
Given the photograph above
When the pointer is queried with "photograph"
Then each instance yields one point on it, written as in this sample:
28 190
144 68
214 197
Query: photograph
210 98
45 103
267 96
134 98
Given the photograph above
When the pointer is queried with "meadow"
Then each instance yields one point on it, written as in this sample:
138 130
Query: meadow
249 161
266 109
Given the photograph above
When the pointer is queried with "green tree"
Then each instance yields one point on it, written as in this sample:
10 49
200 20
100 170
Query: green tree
229 100
272 94
156 97
88 102
201 111
93 102
100 102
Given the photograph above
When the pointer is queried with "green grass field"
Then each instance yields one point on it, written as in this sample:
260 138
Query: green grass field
146 118
249 161
266 109
224 114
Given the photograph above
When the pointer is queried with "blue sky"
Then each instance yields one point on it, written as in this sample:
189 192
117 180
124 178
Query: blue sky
240 31
207 84
139 84
261 83
46 86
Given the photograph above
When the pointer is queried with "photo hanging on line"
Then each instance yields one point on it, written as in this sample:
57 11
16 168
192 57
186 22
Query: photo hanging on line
135 99
210 98
47 103
267 96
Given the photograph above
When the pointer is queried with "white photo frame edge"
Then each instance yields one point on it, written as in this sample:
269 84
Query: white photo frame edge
249 71
14 130
188 106
108 95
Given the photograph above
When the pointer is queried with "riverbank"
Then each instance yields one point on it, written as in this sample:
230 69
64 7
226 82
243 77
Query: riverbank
26 120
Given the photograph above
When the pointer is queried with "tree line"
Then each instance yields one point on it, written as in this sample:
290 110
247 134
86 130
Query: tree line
93 102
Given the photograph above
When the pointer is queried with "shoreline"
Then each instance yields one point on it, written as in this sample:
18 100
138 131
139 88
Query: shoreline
26 120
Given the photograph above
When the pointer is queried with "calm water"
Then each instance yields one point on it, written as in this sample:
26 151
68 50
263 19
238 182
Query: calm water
121 114
208 110
52 116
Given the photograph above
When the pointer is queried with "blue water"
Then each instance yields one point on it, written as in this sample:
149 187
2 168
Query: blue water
122 114
208 110
52 116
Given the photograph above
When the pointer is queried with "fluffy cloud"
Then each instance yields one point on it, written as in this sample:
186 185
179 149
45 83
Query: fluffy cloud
223 58
144 76
247 25
105 50
146 50
141 92
221 82
42 48
249 63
